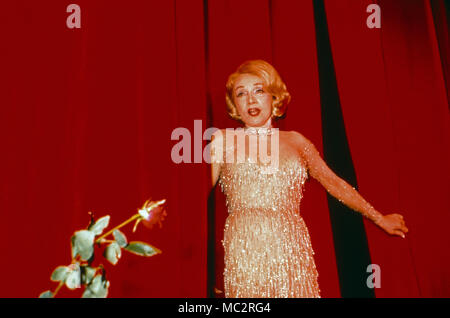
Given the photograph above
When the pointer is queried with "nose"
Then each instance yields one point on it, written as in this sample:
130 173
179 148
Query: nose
251 99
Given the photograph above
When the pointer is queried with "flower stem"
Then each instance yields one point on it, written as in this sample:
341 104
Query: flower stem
61 283
134 217
104 241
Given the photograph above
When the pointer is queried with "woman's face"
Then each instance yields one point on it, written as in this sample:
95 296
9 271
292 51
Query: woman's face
253 102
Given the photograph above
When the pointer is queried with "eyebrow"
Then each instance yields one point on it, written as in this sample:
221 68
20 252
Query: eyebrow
253 85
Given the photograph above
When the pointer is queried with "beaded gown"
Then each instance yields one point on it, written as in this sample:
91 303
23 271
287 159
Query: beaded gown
267 246
268 251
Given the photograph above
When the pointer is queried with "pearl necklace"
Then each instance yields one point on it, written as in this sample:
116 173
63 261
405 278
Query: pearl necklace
260 131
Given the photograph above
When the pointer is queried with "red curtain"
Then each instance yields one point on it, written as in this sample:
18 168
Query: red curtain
87 114
395 109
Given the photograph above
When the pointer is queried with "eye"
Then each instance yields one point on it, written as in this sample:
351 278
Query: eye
239 94
259 90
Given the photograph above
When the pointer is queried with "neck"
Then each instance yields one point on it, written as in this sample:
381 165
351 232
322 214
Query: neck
263 130
266 125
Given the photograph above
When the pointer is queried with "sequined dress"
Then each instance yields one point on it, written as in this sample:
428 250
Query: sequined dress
267 246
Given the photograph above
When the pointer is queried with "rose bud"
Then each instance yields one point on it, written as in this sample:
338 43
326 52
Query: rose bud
153 213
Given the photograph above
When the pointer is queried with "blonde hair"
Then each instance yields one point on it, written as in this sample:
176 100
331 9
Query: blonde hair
272 82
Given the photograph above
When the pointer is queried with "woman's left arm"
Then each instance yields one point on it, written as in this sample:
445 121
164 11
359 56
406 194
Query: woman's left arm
345 193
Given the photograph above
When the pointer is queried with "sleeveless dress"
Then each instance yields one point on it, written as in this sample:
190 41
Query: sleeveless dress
267 246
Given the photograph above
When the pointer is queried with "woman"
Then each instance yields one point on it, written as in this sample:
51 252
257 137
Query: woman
267 246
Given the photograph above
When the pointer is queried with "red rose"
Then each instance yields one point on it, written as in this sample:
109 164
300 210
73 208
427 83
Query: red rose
152 213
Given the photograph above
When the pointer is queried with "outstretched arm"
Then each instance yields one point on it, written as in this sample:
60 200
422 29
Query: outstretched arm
341 190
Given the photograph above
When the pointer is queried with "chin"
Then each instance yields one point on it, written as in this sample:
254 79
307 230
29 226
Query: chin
255 122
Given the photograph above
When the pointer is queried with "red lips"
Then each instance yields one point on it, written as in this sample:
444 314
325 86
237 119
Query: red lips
253 111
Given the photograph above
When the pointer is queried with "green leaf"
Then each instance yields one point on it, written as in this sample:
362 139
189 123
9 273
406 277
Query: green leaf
87 294
98 288
120 238
141 248
113 252
98 227
83 244
96 284
59 274
87 273
46 294
73 279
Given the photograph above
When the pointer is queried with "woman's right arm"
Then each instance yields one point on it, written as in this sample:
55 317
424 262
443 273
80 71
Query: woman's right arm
216 156
215 171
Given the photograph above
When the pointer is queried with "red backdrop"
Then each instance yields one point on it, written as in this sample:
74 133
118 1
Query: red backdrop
87 115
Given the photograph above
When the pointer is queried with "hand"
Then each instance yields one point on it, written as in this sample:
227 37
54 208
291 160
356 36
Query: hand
393 224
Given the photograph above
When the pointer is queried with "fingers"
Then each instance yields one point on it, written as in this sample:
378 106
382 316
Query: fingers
402 227
400 217
399 233
395 225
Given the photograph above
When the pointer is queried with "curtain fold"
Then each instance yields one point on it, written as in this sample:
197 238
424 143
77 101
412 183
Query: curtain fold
295 57
87 114
397 121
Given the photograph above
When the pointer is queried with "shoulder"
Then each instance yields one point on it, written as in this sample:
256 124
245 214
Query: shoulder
302 144
218 136
297 138
217 146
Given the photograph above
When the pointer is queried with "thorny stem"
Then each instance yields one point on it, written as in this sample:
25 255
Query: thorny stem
61 283
101 239
106 241
134 217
